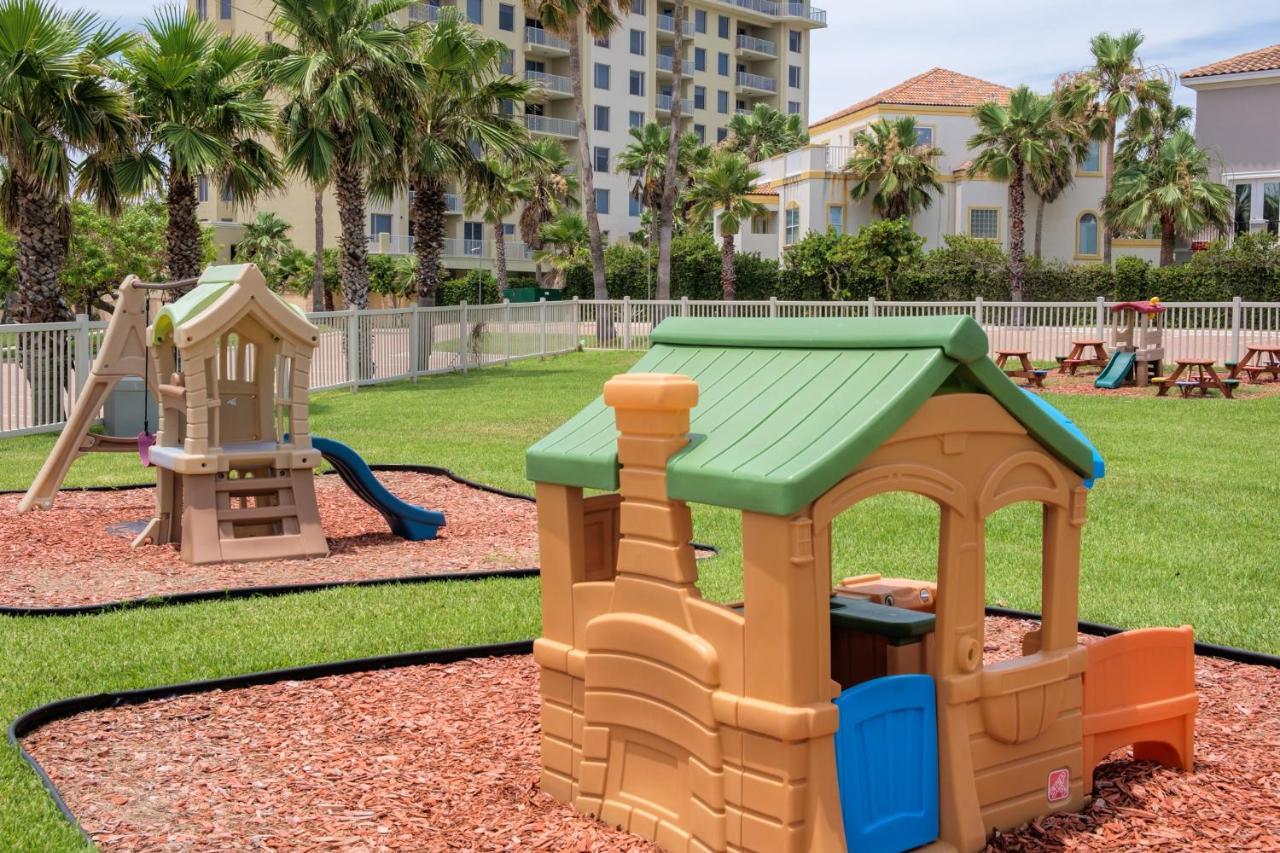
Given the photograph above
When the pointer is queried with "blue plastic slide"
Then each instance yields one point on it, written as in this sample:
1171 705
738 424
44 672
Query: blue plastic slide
406 520
1117 371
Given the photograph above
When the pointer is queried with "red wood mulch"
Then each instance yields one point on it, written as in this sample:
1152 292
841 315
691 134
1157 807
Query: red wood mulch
66 556
1083 385
446 758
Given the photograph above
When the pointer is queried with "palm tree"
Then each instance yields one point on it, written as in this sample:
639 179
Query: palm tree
265 242
1050 180
887 154
563 239
667 202
203 114
1175 189
348 62
567 19
296 130
1110 90
721 193
765 133
553 187
62 127
498 198
647 157
454 126
1014 143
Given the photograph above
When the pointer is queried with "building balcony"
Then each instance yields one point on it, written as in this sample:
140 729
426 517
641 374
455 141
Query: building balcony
769 10
539 42
806 13
765 8
452 203
559 127
424 12
665 102
667 26
757 47
552 86
757 83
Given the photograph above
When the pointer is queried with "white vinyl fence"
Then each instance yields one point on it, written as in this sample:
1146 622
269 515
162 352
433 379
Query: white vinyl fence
369 347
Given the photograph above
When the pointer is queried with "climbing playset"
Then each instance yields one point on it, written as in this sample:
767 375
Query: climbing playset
813 719
1137 339
230 362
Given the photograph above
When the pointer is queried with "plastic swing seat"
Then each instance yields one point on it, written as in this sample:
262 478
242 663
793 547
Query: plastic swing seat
145 442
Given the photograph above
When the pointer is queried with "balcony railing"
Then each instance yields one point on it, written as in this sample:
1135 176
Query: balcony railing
424 12
810 13
450 247
541 38
667 24
455 247
776 9
665 102
764 7
452 203
666 62
758 45
518 251
550 125
550 82
757 81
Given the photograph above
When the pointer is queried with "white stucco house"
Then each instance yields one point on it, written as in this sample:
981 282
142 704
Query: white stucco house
806 190
1238 122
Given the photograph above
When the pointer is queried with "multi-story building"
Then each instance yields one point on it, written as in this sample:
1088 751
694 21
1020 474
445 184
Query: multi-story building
739 53
1238 121
808 190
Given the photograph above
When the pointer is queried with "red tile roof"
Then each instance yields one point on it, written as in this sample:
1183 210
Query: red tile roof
936 87
1263 59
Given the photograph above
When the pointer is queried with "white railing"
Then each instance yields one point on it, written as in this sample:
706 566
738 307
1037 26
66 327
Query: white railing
424 12
804 10
43 366
764 7
665 101
550 82
551 125
758 45
757 81
838 157
667 24
539 37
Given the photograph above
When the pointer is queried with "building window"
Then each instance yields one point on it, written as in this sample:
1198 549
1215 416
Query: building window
699 97
700 131
602 201
924 136
699 59
637 83
635 205
700 20
723 24
379 223
795 76
1092 162
602 118
984 223
637 7
1244 207
602 76
224 9
202 9
1271 206
1087 236
602 42
202 189
635 118
796 39
792 234
835 219
722 133
506 17
226 195
473 238
602 159
475 11
722 101
722 64
793 107
637 42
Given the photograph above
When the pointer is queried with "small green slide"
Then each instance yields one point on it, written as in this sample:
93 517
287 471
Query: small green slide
1117 371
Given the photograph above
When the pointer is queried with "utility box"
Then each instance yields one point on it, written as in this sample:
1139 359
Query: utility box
532 294
122 412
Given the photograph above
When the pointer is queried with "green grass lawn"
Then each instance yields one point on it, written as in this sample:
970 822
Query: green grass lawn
1181 531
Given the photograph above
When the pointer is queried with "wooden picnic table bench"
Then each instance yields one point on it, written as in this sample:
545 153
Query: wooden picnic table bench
1077 358
1258 359
1025 370
1199 376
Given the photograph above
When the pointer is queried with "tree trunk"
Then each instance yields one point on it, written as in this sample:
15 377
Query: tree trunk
317 283
667 211
427 226
1039 238
500 255
1109 176
728 278
353 245
182 235
1017 229
600 287
1168 235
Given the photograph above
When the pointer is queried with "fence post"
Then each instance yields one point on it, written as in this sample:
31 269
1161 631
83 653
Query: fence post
871 306
542 322
1237 324
684 306
415 334
83 362
1101 317
353 348
626 322
977 310
506 331
464 344
773 306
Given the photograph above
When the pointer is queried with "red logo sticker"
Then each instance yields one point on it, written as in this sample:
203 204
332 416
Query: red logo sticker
1059 787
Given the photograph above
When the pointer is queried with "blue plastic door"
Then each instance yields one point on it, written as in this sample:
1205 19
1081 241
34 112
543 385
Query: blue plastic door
887 764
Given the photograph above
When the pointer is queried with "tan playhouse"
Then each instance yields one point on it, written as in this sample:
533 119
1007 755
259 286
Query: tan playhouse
707 727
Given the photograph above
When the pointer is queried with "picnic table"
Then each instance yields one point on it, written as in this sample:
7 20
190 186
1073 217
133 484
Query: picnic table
1194 374
1025 370
1078 358
1258 359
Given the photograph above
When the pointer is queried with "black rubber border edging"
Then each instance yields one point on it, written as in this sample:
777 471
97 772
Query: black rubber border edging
63 708
287 589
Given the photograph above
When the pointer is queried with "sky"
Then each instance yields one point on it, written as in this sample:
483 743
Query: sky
870 45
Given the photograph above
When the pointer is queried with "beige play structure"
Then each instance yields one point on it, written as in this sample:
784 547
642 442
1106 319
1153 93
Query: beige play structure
706 727
1137 339
229 362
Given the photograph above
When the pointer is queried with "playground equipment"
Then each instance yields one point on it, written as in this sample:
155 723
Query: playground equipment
802 721
230 363
1137 338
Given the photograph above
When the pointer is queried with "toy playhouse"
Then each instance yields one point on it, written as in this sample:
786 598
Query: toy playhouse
803 720
1137 339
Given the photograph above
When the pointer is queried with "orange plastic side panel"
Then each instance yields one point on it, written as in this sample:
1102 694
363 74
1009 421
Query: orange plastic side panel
1140 689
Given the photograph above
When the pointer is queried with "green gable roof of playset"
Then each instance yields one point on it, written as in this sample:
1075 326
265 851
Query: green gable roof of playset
209 289
789 407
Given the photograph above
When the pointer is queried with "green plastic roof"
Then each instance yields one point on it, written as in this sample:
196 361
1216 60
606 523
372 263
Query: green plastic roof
789 407
212 284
